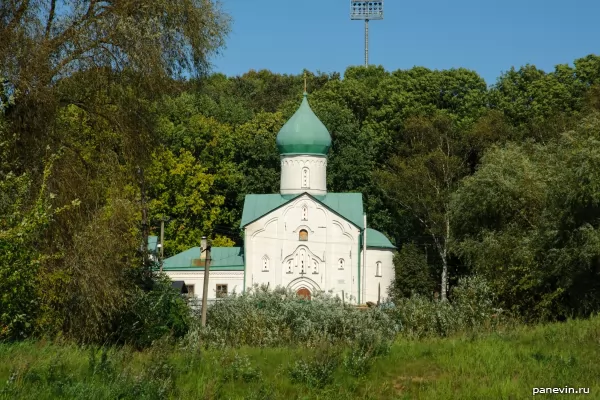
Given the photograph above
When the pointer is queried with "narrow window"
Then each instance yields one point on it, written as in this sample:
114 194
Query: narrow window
289 265
305 178
341 263
303 236
378 269
316 267
265 263
221 290
304 213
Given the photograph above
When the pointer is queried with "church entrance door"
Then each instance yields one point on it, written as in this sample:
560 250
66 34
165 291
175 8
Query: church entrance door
304 293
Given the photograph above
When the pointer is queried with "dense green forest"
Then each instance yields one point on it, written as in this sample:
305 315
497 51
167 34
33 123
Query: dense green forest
102 136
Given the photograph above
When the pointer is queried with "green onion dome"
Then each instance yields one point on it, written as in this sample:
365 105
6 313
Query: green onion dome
304 133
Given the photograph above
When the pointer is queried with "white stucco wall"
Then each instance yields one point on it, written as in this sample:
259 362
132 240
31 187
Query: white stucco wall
233 279
330 238
386 257
303 173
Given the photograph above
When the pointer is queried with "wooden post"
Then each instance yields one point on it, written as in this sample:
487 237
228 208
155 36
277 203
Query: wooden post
145 231
379 293
162 243
205 247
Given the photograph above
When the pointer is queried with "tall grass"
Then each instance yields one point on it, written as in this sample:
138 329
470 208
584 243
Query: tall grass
500 365
273 345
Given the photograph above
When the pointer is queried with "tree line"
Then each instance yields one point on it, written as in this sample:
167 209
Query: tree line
101 136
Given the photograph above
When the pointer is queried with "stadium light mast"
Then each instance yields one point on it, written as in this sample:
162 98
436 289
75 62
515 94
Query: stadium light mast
366 10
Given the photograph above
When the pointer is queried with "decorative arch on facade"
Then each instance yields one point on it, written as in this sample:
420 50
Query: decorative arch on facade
318 212
305 282
344 232
302 261
303 227
265 226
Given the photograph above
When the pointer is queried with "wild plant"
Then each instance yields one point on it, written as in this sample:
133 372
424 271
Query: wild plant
470 308
317 371
278 317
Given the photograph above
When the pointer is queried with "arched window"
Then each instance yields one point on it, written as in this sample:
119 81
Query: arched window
304 213
341 263
303 236
265 263
305 178
378 269
289 266
316 266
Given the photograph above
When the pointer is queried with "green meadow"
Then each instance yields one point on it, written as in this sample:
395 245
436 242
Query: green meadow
506 364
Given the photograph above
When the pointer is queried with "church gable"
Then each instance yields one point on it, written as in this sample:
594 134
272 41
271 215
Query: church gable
346 205
302 213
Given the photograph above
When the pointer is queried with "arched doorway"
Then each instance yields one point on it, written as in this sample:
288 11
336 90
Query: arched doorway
304 293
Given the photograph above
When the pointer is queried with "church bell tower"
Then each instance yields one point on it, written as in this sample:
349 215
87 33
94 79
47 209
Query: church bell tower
303 144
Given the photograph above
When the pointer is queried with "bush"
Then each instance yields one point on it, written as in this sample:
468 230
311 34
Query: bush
357 362
152 314
276 318
473 302
239 368
471 308
316 372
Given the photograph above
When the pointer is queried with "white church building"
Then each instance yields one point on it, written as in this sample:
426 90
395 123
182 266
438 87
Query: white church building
302 238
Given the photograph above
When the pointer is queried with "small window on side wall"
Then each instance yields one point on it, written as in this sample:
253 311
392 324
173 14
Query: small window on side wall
378 269
265 263
304 213
341 263
303 235
221 290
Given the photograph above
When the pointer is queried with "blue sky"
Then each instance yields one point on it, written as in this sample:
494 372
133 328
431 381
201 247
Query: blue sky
488 36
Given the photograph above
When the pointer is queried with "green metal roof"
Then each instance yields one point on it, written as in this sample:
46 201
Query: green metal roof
304 133
378 239
222 258
347 205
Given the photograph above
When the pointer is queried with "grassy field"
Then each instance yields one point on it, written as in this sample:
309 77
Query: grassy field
504 365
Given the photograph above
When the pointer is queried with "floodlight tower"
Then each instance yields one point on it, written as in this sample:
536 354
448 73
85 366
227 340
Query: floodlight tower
366 10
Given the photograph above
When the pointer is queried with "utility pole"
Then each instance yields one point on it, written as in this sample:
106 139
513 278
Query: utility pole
144 216
162 243
205 247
